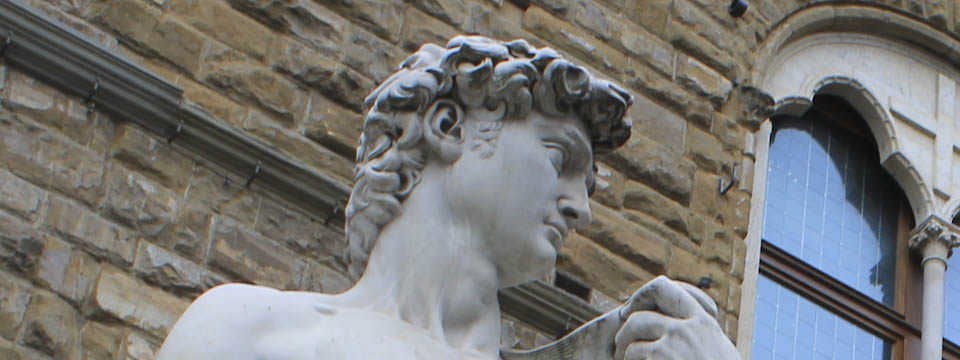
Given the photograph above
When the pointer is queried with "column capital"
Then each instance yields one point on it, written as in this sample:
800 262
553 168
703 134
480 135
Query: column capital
933 236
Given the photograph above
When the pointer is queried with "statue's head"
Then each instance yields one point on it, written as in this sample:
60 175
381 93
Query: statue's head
511 125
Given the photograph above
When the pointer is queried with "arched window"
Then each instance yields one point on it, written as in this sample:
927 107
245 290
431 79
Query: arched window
833 247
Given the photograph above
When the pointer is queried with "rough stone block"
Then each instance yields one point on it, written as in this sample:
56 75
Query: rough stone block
602 22
702 49
20 197
656 166
307 20
170 271
651 14
730 134
559 8
642 198
332 126
301 233
49 160
223 23
706 151
658 230
213 191
178 43
66 271
155 65
731 209
609 188
689 15
299 147
704 81
100 341
247 81
326 280
700 114
190 235
138 347
46 105
685 266
645 47
453 12
652 119
371 55
619 235
139 202
420 28
593 264
661 89
382 17
152 157
20 245
570 38
250 257
76 171
340 83
502 22
11 351
718 249
217 105
15 294
132 19
121 296
51 326
100 237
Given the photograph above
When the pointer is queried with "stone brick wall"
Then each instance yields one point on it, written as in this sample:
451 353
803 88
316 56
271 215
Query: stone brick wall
107 233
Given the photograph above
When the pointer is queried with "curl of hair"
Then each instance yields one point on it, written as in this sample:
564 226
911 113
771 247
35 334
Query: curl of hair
429 93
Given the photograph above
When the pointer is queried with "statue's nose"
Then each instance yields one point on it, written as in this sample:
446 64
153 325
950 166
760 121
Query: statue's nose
575 212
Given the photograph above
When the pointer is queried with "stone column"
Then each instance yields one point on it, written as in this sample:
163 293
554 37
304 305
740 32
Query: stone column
934 240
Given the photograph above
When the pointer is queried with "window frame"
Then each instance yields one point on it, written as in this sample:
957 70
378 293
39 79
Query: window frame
899 324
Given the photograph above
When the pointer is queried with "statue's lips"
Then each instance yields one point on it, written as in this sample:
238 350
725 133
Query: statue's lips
556 233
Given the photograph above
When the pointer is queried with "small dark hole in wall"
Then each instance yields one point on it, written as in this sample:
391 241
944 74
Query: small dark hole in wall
571 285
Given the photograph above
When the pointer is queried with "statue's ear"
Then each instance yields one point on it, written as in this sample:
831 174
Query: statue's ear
443 130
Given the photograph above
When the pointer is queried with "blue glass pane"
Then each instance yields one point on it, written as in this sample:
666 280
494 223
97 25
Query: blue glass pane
788 326
951 329
830 204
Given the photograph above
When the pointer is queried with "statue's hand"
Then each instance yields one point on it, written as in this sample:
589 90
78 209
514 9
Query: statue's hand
665 319
669 319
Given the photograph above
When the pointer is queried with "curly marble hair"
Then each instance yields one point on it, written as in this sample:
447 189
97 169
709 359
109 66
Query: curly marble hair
412 111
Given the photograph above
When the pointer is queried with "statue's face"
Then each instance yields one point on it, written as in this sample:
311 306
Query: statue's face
524 198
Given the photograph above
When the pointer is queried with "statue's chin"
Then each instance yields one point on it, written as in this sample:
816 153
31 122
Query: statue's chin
529 269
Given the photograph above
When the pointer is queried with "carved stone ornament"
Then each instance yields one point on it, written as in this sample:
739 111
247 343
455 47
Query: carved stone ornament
935 231
475 161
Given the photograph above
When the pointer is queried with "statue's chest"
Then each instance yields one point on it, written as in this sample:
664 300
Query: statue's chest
356 337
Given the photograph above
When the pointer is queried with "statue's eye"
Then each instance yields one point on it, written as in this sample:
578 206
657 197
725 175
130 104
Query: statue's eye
558 156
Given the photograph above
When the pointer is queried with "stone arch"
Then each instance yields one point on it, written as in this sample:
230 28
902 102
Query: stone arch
891 31
851 18
881 127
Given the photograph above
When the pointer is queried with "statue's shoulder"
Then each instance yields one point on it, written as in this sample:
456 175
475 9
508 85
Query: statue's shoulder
239 321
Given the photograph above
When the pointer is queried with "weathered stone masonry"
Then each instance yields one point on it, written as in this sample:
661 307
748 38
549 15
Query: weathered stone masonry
107 232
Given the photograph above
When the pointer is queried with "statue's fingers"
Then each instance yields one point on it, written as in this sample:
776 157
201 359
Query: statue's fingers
663 295
641 326
639 351
706 302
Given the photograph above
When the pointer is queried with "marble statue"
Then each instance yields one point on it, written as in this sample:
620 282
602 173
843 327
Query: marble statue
475 161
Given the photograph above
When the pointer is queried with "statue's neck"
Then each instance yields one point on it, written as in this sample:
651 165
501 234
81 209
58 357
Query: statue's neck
430 273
